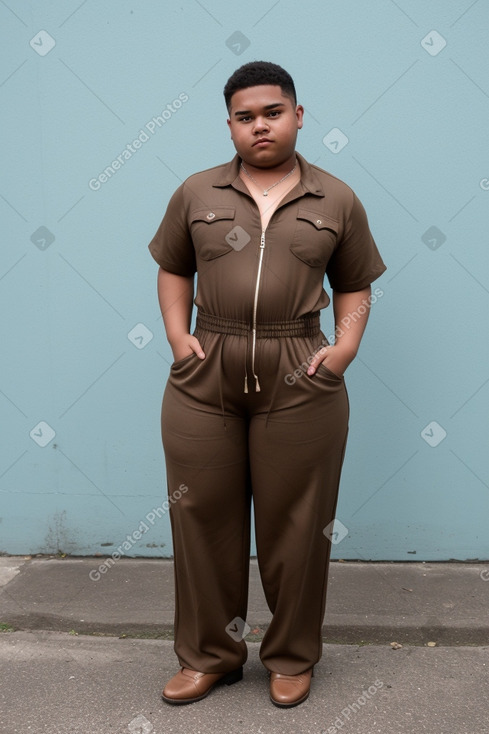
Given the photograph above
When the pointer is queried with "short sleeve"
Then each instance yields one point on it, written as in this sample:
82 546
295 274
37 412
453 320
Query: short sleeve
172 246
356 261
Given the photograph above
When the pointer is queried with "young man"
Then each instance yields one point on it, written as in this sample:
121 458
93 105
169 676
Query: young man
255 404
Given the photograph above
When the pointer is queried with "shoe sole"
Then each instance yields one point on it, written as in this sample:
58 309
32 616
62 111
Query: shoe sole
233 677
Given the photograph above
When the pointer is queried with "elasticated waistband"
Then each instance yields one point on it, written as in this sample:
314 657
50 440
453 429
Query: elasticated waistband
307 326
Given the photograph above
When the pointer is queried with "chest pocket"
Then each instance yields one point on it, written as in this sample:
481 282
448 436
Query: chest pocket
315 238
210 228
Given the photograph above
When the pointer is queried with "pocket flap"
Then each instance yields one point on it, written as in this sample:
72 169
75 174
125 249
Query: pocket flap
213 215
318 219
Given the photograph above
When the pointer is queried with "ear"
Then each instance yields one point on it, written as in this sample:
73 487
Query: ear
230 128
299 113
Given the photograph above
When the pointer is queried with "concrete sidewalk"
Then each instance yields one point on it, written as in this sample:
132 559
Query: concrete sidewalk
376 603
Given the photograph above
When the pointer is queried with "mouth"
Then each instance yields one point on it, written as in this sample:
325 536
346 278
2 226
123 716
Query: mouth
262 142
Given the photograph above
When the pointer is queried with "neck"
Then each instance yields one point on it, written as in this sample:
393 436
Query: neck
271 173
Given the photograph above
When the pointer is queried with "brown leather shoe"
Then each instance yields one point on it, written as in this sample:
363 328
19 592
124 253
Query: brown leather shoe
289 690
188 685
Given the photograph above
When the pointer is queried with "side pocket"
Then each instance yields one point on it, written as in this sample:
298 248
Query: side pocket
326 372
181 362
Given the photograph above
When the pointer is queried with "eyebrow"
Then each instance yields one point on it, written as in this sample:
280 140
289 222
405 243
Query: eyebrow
267 107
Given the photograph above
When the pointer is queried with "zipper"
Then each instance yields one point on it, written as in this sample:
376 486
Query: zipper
255 308
255 304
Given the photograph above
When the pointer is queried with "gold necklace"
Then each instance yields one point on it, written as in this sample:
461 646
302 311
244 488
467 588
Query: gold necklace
265 191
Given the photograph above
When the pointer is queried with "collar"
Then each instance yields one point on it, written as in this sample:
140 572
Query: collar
229 172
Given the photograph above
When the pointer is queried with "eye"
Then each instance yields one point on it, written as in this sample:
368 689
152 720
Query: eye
274 113
244 119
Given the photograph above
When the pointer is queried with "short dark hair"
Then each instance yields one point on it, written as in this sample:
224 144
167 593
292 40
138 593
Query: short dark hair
259 72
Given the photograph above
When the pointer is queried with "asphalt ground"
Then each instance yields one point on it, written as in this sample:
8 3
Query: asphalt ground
59 683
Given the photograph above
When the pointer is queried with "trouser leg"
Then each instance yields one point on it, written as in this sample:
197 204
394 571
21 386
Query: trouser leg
210 529
296 459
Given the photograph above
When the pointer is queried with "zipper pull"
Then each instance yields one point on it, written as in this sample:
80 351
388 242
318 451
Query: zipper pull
262 241
257 384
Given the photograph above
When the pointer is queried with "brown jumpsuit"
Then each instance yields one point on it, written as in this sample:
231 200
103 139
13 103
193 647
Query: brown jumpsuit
239 425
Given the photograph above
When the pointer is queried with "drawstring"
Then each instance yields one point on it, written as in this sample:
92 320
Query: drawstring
257 382
253 351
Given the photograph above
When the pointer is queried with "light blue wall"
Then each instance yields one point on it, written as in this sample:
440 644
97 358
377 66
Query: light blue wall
416 117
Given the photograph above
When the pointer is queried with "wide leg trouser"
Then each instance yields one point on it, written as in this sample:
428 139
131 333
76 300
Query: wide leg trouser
284 447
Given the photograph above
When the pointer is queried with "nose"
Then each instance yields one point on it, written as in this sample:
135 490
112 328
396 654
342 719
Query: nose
261 125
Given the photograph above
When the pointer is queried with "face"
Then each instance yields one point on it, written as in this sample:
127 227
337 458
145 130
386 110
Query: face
264 124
